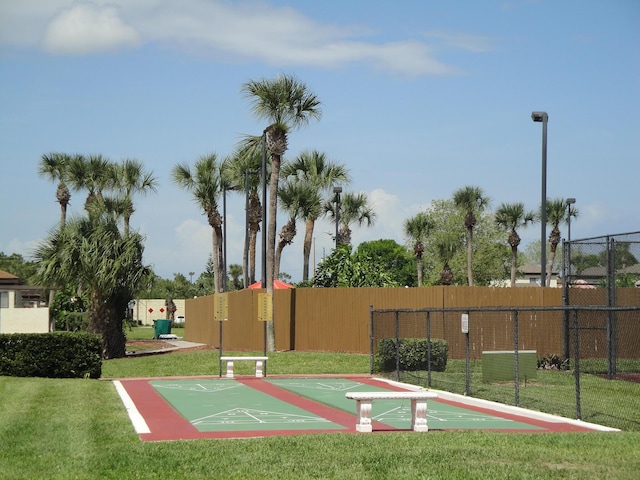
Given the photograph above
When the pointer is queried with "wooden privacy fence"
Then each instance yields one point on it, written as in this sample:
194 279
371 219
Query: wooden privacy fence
337 319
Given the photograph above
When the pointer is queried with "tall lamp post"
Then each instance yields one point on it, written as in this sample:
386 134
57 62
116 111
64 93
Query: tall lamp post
337 190
544 118
570 201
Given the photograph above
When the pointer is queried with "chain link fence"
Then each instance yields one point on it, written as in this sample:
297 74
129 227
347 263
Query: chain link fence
579 360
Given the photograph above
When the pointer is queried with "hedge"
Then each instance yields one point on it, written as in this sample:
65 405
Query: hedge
412 354
53 355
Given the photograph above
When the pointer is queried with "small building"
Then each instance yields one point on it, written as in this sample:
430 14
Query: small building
22 309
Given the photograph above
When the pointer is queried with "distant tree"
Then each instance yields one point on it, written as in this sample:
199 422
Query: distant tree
204 184
95 174
472 202
235 275
512 216
354 209
342 269
446 247
131 179
297 200
556 216
313 168
417 229
242 169
55 166
391 257
15 264
491 257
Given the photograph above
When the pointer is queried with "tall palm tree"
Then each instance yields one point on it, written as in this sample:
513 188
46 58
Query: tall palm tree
354 208
417 229
92 252
556 216
55 166
287 104
472 201
95 174
512 216
130 179
297 199
315 169
204 183
242 168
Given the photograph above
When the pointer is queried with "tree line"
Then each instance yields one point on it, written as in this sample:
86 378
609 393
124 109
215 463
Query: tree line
99 256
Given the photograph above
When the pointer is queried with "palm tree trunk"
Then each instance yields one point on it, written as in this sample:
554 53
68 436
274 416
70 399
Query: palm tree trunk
514 264
271 241
470 256
306 248
419 267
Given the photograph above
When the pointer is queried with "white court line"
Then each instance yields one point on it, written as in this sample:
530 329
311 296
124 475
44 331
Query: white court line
138 421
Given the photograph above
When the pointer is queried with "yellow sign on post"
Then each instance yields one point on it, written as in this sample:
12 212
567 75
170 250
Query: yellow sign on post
221 307
265 307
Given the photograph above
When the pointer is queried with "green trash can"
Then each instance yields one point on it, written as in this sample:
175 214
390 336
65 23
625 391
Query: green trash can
161 327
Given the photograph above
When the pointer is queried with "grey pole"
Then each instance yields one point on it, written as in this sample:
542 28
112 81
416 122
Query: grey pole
543 117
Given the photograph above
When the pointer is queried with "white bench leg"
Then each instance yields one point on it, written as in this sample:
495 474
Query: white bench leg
363 408
419 416
229 368
258 368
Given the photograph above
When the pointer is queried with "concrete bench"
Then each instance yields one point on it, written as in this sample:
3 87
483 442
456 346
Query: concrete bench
418 399
229 360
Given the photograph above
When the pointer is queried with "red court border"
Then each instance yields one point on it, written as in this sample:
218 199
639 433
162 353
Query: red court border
165 423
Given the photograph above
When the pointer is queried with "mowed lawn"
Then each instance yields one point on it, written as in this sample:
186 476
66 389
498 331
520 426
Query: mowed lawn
62 429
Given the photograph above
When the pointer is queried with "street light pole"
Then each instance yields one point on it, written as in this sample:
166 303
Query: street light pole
543 117
337 190
224 238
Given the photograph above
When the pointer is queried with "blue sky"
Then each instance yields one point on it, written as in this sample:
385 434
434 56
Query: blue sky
419 98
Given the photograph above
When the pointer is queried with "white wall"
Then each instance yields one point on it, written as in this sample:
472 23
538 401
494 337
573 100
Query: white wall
142 306
23 320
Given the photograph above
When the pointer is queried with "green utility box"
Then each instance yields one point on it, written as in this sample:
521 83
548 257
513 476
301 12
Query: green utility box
499 366
161 327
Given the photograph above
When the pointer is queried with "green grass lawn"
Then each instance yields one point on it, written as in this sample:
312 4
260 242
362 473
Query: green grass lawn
61 429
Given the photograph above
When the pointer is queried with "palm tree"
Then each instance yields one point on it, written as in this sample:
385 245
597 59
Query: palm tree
287 104
55 166
242 169
92 253
297 199
354 208
556 215
314 169
417 229
446 248
95 174
131 178
472 201
512 216
204 183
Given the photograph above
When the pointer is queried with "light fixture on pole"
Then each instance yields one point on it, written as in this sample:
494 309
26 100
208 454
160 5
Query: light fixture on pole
337 190
544 118
570 201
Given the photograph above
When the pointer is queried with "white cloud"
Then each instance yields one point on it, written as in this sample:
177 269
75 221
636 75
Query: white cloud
246 31
87 28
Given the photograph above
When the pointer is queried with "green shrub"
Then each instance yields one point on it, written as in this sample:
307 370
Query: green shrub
412 354
53 355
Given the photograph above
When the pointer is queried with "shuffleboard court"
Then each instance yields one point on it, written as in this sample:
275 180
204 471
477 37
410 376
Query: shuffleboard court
212 407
